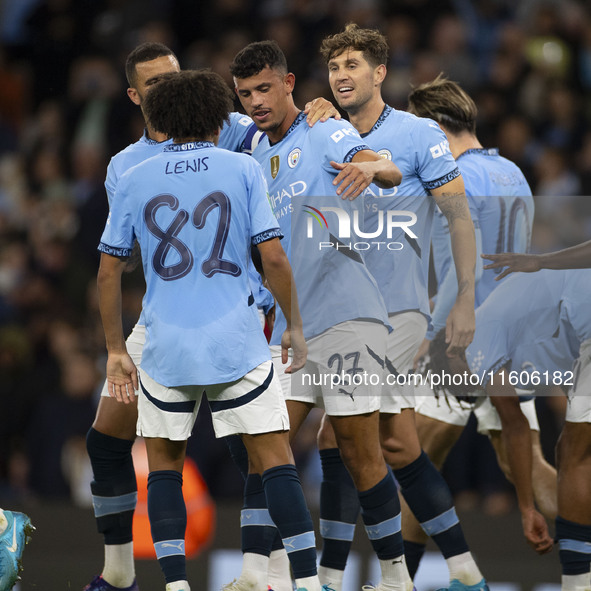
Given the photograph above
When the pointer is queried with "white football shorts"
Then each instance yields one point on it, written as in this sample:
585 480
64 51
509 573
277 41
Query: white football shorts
344 371
403 343
454 412
253 404
578 409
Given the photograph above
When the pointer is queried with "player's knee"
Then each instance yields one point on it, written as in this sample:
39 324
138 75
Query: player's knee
267 450
395 453
361 464
112 464
572 448
115 419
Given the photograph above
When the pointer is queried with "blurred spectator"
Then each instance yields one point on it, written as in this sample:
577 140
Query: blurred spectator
554 178
59 425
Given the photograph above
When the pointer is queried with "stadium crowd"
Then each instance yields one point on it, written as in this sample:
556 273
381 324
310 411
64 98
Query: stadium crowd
64 113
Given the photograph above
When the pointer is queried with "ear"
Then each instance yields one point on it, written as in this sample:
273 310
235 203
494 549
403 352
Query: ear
289 82
380 74
133 95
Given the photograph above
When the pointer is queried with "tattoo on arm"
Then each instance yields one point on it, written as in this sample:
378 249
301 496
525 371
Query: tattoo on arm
463 287
453 206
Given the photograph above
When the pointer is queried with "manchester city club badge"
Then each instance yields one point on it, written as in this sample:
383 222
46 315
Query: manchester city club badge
293 157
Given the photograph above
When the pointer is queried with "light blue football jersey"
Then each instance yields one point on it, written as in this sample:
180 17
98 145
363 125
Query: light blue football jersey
333 282
195 210
532 322
399 259
502 209
239 134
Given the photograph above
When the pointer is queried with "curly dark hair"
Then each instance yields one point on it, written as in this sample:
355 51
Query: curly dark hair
255 57
446 102
146 52
189 104
370 42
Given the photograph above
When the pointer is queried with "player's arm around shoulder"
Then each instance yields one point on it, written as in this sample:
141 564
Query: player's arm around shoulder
279 278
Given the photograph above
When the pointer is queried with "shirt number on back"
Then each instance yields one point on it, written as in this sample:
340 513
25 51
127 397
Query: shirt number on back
214 263
508 229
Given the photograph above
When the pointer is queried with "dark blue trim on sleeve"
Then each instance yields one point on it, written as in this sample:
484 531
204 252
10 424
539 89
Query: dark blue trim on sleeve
354 151
450 176
116 252
246 146
266 235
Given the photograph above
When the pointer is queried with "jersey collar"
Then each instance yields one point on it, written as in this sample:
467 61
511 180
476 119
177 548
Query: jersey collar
150 141
299 118
385 112
483 151
188 146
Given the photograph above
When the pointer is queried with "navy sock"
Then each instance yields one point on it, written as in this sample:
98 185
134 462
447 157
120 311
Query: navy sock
168 521
380 509
574 540
251 534
288 509
413 552
238 453
429 498
257 529
339 509
114 488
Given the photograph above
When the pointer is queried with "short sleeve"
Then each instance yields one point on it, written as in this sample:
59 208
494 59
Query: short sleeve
111 182
118 236
263 224
240 134
339 141
435 165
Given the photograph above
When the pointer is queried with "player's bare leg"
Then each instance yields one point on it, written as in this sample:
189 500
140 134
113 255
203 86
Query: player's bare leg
398 435
298 412
360 448
543 475
116 419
